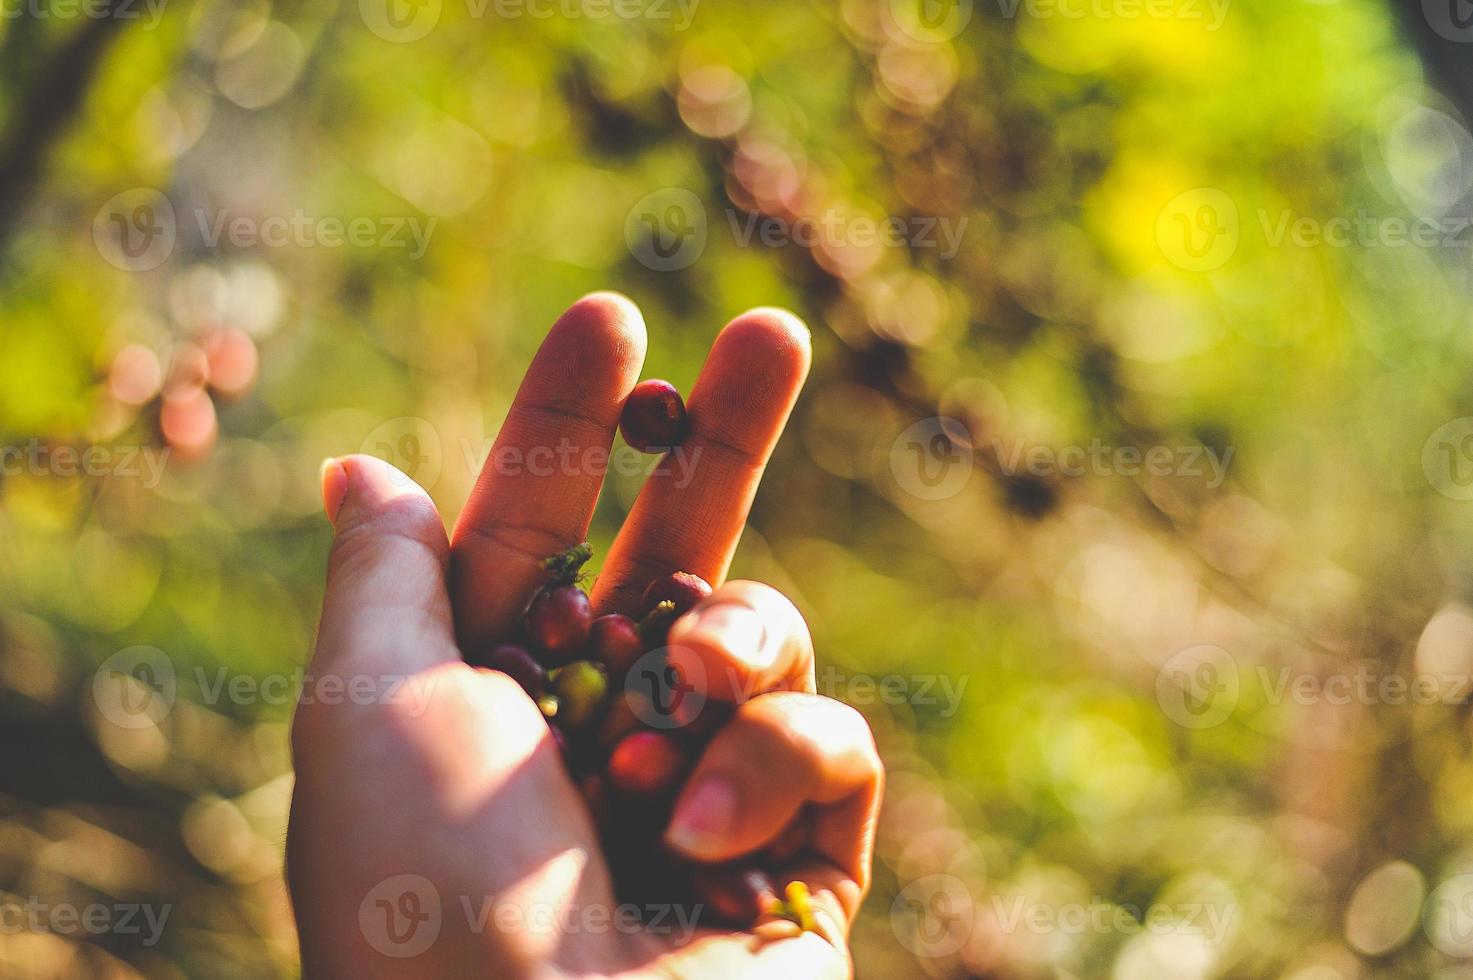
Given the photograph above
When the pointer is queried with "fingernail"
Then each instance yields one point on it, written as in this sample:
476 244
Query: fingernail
704 818
334 487
737 629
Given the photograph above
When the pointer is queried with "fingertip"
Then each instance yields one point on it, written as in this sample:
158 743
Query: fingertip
370 479
608 302
775 336
601 326
371 491
589 360
751 380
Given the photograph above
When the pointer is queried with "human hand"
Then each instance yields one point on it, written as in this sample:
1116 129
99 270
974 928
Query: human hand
434 829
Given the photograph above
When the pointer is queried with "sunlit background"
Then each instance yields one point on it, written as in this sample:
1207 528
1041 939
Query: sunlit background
1131 498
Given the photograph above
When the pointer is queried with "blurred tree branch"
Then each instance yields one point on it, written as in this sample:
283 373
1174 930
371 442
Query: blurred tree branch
45 106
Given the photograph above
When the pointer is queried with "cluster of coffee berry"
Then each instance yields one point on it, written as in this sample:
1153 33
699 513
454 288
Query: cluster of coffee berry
629 736
628 733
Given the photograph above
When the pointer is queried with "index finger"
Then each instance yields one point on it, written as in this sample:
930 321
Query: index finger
537 490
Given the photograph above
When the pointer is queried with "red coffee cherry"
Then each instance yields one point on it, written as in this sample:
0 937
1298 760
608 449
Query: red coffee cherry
684 589
558 622
614 640
646 763
517 664
654 419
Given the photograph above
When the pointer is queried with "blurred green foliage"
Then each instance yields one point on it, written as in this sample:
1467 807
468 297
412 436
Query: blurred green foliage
1072 153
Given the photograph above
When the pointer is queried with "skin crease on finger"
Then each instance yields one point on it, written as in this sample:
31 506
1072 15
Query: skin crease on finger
478 812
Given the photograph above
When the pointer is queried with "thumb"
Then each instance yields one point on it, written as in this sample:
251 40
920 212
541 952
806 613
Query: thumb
386 607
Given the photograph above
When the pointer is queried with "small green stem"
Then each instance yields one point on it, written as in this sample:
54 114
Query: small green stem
564 566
